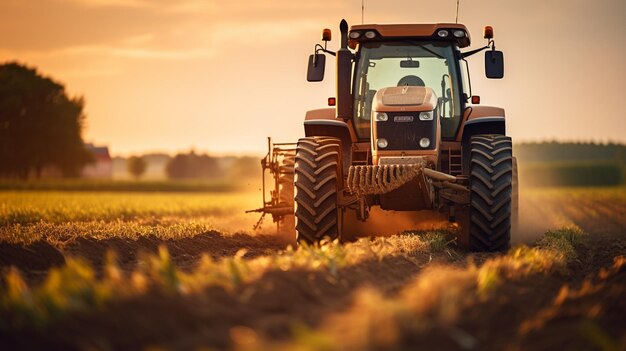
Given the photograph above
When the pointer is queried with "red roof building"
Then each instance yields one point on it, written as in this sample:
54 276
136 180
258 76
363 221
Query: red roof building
103 164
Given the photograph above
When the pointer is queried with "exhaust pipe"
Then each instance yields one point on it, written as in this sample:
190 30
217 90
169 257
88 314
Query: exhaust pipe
344 72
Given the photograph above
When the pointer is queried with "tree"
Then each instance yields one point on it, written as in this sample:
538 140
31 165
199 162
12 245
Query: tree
136 166
245 167
192 165
39 125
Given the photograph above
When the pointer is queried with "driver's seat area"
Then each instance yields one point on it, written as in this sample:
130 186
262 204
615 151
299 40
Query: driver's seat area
411 80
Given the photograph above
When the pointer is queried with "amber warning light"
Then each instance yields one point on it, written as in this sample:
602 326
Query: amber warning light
326 35
488 32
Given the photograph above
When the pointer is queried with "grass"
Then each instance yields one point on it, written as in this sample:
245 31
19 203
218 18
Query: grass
215 185
172 228
437 240
574 173
28 207
557 207
70 288
595 193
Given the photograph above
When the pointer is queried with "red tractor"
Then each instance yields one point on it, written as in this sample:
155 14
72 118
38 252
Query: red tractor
406 134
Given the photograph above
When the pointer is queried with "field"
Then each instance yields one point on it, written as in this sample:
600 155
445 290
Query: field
112 270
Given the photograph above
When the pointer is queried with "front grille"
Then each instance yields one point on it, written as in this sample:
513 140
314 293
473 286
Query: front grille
406 135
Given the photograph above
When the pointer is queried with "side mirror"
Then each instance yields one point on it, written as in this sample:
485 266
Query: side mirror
494 64
317 65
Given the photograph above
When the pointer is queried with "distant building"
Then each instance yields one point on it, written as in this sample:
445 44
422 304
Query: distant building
102 166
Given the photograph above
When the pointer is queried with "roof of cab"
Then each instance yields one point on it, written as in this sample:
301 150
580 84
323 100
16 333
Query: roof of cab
414 30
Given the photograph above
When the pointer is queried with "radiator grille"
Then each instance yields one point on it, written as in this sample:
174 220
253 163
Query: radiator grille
406 135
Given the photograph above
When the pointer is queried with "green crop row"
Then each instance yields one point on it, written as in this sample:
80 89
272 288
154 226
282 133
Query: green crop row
26 207
438 296
572 174
218 185
75 286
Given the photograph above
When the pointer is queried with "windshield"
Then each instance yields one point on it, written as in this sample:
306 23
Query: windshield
390 64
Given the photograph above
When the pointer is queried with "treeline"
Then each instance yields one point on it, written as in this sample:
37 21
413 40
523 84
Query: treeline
570 152
190 165
572 174
40 125
571 164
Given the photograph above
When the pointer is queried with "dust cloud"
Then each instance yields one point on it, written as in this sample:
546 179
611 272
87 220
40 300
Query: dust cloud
387 223
537 214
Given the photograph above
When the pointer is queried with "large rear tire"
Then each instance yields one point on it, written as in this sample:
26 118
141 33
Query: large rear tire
491 167
317 180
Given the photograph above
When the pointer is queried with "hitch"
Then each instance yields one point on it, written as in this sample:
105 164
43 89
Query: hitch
274 164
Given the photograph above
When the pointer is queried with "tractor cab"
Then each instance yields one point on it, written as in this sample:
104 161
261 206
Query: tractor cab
404 54
421 55
427 64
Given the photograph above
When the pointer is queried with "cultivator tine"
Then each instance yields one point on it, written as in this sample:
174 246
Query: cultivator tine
380 179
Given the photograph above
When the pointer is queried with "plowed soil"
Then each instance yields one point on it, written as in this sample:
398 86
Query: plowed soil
583 309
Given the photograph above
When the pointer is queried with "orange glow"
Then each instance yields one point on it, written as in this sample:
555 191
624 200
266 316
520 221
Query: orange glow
222 76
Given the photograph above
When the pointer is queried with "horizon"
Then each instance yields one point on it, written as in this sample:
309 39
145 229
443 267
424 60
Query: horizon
261 154
167 76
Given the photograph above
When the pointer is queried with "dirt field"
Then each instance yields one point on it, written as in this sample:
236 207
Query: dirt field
189 273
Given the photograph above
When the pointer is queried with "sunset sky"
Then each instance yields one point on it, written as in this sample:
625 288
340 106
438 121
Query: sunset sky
220 76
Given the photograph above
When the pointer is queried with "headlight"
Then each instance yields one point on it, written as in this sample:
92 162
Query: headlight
382 143
424 142
442 33
381 117
370 35
459 33
426 116
354 35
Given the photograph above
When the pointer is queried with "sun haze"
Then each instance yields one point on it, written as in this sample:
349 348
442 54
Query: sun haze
221 76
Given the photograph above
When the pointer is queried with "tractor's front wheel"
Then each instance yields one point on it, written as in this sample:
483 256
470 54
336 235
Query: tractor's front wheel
491 167
514 198
317 181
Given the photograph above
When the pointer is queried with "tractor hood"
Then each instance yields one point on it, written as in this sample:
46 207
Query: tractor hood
404 98
398 130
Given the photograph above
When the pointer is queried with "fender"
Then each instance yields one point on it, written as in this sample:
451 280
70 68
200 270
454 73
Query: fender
482 120
322 122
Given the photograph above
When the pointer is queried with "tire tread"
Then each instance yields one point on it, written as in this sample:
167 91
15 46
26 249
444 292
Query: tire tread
491 173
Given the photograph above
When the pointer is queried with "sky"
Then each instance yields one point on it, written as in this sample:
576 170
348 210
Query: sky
220 76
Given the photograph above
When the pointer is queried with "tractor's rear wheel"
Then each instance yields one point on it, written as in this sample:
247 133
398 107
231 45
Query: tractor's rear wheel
317 180
491 167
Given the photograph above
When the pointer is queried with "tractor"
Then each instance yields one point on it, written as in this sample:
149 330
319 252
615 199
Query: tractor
402 134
